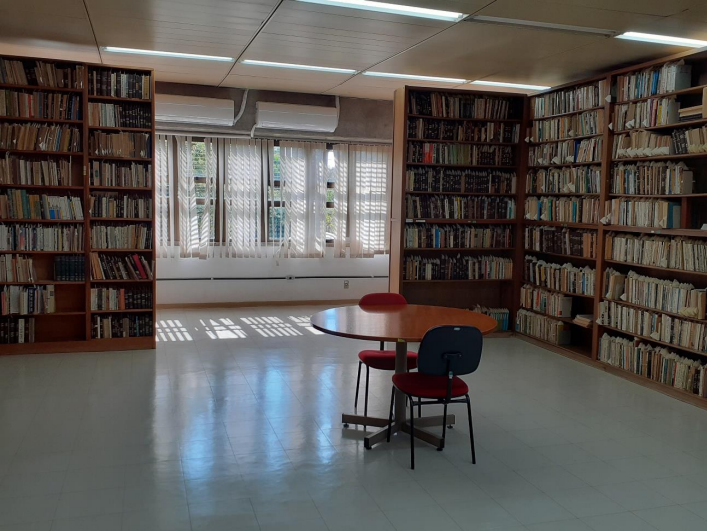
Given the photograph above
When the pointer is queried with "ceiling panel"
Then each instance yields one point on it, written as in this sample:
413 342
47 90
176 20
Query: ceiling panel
251 76
362 86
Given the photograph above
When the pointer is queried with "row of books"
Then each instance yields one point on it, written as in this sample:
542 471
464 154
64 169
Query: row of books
654 325
133 145
643 213
133 175
121 298
40 137
17 268
687 254
70 268
556 240
563 209
35 237
16 170
112 267
471 106
457 268
133 236
429 236
501 315
40 74
655 293
565 127
27 300
567 152
690 140
120 115
430 129
574 180
114 205
566 278
44 105
652 178
460 154
18 204
657 363
648 113
114 326
460 207
14 330
647 144
669 77
546 302
543 328
489 181
119 84
570 100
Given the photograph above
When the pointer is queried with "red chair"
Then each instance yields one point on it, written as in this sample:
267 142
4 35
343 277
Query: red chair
383 360
445 352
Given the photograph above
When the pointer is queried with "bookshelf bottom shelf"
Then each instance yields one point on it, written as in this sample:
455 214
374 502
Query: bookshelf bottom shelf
92 345
585 351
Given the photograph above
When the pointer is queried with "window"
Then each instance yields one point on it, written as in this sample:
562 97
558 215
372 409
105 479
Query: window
276 211
200 187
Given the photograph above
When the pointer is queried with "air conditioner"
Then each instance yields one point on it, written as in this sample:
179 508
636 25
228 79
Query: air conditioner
296 117
191 110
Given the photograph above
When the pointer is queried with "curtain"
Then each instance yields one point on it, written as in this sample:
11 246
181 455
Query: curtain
340 178
369 208
164 196
188 221
303 174
243 189
206 228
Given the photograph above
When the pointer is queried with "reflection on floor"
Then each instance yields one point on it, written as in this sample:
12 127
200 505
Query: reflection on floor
234 423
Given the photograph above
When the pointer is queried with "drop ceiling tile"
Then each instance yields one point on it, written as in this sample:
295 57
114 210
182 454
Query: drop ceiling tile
660 8
314 85
66 8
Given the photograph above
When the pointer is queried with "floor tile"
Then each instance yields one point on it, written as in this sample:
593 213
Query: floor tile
108 522
618 522
534 509
679 489
634 495
222 515
480 514
672 518
585 501
90 503
422 519
158 519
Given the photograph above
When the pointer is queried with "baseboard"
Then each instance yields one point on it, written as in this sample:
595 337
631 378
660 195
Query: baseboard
255 304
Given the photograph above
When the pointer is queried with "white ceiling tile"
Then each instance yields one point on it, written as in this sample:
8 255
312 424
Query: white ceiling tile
314 86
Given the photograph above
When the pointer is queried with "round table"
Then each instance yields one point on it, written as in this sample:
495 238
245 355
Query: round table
398 323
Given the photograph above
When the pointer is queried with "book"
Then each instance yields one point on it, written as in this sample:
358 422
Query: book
566 278
470 106
460 207
491 181
38 172
563 209
652 178
432 236
555 240
688 254
568 100
575 180
567 127
457 267
660 79
543 327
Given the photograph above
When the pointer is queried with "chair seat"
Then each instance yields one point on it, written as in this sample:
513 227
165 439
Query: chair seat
426 386
384 360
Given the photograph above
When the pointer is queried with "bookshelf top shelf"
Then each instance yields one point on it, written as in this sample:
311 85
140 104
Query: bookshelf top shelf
495 120
39 120
690 90
534 119
38 88
115 98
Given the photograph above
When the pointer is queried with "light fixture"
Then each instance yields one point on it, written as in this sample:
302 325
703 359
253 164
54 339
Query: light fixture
295 66
419 78
509 85
662 39
541 25
396 9
135 51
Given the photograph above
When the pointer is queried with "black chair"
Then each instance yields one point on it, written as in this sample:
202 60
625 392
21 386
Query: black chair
445 353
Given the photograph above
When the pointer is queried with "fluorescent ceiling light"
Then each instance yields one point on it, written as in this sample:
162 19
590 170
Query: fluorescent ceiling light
662 39
540 25
298 67
420 78
135 51
396 9
509 85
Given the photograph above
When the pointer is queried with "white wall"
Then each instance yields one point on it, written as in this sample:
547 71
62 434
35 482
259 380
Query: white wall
211 290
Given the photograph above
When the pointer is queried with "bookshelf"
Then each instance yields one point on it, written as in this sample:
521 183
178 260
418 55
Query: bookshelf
82 134
457 160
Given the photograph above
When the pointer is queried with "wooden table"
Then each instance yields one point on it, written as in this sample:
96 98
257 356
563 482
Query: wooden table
398 323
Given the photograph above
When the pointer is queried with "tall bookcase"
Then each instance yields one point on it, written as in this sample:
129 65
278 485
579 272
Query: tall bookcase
457 162
73 325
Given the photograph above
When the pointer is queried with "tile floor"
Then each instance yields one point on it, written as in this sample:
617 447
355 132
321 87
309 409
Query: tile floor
234 423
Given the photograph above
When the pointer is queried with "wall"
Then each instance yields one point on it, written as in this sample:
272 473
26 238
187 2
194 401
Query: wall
264 279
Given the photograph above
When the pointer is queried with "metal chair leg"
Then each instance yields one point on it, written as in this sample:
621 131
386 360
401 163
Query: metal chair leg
365 402
444 429
412 433
471 430
358 385
390 416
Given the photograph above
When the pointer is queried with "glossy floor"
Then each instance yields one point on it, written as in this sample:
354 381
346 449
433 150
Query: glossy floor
234 423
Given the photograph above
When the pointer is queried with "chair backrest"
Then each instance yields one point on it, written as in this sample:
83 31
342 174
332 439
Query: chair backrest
455 349
379 299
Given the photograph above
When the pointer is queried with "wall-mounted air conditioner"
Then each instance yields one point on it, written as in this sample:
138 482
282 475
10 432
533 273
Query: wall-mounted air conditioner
191 110
296 117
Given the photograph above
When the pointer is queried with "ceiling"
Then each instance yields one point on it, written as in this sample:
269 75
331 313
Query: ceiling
295 32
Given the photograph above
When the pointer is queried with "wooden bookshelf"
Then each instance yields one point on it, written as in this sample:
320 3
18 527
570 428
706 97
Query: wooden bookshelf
408 137
69 328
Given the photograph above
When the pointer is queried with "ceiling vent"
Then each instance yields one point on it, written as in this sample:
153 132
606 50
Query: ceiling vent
296 117
191 110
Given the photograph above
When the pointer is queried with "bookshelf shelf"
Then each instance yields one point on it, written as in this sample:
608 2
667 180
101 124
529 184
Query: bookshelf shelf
663 157
651 340
691 90
695 233
566 165
581 137
419 192
676 125
656 268
583 351
485 120
560 194
141 310
567 320
647 308
564 256
560 224
468 142
38 120
465 166
570 113
54 314
70 329
468 281
106 281
457 249
660 196
568 293
461 221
